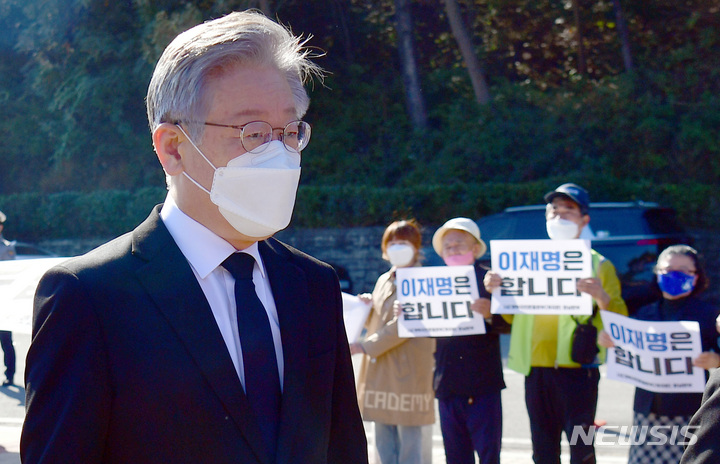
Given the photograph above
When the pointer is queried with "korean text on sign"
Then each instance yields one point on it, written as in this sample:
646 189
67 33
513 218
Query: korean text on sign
540 276
436 301
655 356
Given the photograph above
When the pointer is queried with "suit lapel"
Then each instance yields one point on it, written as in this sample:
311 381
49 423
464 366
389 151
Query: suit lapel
290 292
171 284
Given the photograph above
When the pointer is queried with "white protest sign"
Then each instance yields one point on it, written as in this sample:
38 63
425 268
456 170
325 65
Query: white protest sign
18 280
540 276
435 301
655 356
355 313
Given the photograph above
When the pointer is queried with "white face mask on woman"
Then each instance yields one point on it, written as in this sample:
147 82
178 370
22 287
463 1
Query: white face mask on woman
255 192
561 229
400 254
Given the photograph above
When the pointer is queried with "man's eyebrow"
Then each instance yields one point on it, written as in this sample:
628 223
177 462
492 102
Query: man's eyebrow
256 112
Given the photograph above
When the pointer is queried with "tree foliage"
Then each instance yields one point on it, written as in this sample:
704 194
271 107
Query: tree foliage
74 73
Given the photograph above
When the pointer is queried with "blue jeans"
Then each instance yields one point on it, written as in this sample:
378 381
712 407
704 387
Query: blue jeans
403 444
471 425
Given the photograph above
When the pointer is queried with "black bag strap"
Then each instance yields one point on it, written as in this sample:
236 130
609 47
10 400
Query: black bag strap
589 321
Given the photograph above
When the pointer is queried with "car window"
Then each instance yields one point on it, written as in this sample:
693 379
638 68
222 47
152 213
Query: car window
663 221
496 227
613 222
515 225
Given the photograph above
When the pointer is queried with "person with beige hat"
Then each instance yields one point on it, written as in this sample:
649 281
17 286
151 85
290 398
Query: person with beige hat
468 369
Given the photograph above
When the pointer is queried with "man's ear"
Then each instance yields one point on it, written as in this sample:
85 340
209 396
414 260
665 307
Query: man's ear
166 140
585 219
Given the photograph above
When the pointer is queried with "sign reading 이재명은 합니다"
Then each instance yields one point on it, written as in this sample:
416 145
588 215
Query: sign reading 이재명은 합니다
435 301
655 356
540 276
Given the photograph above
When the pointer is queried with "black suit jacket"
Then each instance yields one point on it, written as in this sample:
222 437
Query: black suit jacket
705 425
127 364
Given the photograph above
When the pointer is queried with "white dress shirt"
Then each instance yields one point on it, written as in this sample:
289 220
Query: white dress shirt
205 253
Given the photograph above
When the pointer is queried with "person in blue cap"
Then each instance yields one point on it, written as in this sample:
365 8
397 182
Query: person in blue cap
561 394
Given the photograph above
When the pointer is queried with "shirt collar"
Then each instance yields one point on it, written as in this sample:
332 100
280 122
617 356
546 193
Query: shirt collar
203 249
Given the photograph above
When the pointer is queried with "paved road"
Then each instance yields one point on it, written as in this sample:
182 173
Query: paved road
614 406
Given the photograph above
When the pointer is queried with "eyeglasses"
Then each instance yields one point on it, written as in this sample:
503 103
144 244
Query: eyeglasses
256 134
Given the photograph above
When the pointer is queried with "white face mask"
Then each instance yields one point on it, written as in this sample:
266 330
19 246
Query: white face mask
256 191
561 229
400 254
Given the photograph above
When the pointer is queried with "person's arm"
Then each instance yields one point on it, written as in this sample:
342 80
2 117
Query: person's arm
611 287
491 281
67 380
707 360
605 340
482 307
383 340
704 446
385 337
501 322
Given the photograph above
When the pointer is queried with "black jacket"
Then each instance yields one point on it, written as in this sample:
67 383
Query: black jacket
470 365
127 364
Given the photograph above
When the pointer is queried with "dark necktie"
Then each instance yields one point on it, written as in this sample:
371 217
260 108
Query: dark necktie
262 382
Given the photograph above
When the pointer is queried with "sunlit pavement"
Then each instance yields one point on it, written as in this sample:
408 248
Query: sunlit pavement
12 405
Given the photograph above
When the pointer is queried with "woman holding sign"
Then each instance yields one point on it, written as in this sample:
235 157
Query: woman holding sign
681 278
395 382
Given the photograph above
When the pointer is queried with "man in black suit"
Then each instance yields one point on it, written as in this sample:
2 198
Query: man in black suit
140 352
704 428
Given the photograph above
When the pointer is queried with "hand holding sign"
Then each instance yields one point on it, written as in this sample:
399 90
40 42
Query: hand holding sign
593 287
707 360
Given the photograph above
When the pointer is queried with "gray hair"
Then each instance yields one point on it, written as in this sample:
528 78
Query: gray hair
177 90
